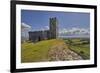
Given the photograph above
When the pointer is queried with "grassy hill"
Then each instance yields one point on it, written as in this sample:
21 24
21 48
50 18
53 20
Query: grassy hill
36 52
80 46
55 50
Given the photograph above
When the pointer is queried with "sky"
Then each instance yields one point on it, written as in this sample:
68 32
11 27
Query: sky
39 20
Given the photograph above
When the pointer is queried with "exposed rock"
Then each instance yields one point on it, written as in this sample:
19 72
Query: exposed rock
61 53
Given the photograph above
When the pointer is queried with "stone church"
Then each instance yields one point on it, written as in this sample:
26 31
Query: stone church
52 33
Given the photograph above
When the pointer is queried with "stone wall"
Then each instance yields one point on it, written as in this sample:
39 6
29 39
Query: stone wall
38 35
53 28
52 33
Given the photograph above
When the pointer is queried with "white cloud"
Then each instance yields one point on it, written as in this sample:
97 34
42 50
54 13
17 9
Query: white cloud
46 27
24 25
25 28
74 30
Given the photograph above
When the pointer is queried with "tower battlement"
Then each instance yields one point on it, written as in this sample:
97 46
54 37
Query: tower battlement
53 27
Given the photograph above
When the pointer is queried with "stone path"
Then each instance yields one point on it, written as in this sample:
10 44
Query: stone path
61 52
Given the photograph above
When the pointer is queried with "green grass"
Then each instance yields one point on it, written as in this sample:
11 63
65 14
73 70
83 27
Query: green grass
80 46
82 50
37 52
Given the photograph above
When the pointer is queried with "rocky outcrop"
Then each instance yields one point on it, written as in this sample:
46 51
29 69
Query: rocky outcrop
61 52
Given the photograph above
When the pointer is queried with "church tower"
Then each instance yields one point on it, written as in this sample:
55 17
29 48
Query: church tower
53 28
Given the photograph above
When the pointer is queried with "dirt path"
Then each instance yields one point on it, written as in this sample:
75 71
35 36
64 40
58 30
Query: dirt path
61 52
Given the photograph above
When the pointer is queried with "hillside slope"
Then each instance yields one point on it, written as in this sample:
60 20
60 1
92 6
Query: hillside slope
47 50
